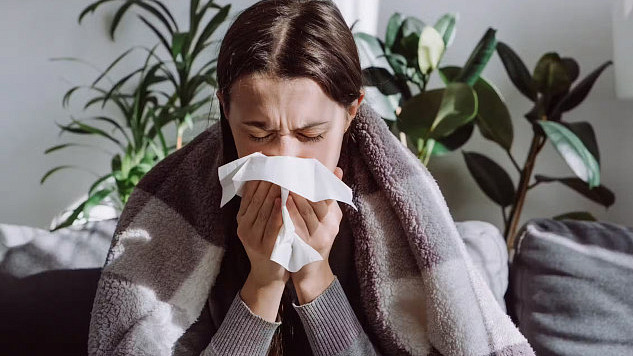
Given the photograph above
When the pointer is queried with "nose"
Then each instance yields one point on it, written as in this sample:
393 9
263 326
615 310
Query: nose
284 146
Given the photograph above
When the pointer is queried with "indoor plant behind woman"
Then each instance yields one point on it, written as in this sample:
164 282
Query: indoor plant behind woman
186 277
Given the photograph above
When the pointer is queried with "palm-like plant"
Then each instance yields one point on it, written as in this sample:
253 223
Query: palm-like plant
174 90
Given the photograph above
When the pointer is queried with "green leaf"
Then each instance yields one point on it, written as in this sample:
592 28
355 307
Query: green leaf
398 63
73 216
478 58
408 39
572 67
381 79
586 134
578 94
550 75
493 180
458 107
573 151
91 9
178 44
56 169
95 185
446 27
419 112
158 34
95 199
210 28
453 141
393 27
385 106
118 15
430 50
493 117
370 51
519 75
59 147
576 215
599 194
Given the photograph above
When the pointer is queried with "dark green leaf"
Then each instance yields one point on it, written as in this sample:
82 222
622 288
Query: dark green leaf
550 75
210 28
105 72
458 107
91 9
493 180
493 117
517 71
158 34
59 147
56 169
599 194
455 140
382 79
393 27
573 70
419 112
118 15
478 58
578 94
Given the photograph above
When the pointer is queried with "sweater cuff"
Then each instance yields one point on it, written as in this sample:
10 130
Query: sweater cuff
242 332
329 321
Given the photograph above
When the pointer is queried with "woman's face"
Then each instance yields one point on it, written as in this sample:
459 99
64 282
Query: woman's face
292 117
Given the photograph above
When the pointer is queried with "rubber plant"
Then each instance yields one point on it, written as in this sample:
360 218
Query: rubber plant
554 90
172 87
397 71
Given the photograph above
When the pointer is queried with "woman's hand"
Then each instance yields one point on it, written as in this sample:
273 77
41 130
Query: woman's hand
258 223
318 224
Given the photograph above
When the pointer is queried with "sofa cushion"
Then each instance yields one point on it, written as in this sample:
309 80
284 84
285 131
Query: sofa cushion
571 287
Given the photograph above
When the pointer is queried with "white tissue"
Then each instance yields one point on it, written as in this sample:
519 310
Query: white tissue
307 177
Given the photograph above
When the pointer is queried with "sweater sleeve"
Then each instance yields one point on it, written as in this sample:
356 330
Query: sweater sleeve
241 333
331 325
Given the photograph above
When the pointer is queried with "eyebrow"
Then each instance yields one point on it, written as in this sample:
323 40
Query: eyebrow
264 125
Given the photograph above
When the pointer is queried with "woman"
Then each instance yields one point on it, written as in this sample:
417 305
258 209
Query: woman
185 277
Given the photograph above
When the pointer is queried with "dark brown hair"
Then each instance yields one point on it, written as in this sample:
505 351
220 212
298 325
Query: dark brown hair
283 39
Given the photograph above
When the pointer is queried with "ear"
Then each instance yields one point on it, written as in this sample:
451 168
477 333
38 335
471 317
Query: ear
352 109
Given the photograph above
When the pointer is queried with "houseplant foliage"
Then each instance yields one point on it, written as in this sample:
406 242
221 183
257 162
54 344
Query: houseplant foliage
397 71
554 89
173 85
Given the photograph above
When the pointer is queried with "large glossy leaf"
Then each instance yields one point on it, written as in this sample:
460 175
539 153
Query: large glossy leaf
419 112
446 27
550 75
576 215
478 58
578 94
430 49
600 194
453 141
385 106
493 117
458 107
493 180
381 79
370 51
572 67
408 39
517 71
587 135
393 27
573 151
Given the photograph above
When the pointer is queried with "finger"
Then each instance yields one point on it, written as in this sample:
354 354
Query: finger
247 194
273 225
320 208
266 209
338 171
306 213
256 202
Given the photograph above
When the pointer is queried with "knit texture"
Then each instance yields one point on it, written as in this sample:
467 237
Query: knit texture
420 292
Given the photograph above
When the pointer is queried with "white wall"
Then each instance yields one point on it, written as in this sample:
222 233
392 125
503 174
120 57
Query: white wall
31 88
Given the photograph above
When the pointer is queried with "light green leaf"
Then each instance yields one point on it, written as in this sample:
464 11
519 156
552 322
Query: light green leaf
573 151
430 49
446 28
458 107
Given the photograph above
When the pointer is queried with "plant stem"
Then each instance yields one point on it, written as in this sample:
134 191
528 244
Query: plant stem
514 162
517 207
